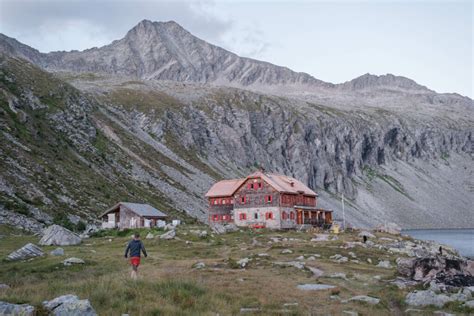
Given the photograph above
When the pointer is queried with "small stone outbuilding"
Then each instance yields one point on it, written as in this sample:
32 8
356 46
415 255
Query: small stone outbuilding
131 215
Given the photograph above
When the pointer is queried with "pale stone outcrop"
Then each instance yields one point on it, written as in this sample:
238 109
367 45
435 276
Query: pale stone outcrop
59 236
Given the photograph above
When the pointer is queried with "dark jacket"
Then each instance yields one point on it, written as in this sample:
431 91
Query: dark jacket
135 247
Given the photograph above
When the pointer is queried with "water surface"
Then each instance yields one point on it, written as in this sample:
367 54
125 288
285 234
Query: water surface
460 239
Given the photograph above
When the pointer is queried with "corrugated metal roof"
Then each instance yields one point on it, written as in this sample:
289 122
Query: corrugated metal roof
139 209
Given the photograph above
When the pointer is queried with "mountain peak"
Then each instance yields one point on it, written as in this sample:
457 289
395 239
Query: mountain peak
368 81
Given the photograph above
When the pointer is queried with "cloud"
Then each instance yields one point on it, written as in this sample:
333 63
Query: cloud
66 25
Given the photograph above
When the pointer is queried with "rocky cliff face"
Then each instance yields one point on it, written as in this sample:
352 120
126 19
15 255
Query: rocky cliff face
110 129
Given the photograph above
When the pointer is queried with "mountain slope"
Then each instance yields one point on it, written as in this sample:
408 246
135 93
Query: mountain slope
155 117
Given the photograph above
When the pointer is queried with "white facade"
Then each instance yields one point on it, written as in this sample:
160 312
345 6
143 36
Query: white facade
258 216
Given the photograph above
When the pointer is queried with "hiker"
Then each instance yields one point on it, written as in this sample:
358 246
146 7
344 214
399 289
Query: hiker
440 250
135 247
364 239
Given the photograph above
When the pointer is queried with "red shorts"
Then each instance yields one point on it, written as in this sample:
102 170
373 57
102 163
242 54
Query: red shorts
135 261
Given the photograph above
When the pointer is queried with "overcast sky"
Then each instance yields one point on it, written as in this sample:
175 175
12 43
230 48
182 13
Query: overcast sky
428 41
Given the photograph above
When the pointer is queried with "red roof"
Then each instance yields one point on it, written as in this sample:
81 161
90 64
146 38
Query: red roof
224 188
281 183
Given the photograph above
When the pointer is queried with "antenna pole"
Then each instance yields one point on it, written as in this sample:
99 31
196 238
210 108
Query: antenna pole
343 212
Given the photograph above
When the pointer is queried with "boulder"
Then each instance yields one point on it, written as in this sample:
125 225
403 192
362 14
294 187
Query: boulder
366 299
469 304
57 252
314 287
315 271
59 236
296 264
243 262
224 228
73 260
69 305
16 309
366 234
199 265
4 286
168 235
390 228
149 236
339 258
384 264
320 237
426 298
338 275
26 252
286 251
405 266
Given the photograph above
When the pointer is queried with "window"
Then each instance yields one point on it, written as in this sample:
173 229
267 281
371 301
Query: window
292 215
242 199
216 201
268 198
250 185
224 201
255 215
284 215
215 218
260 185
269 215
242 216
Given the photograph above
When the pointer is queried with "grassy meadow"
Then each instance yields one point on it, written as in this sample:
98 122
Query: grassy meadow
169 285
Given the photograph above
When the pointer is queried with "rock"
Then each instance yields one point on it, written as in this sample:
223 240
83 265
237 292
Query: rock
449 271
426 298
202 234
403 283
384 264
364 298
405 266
339 258
369 260
199 265
353 255
57 252
243 262
314 287
149 236
350 313
4 286
222 229
59 236
338 275
263 255
469 304
315 271
300 258
366 234
16 309
441 313
73 260
169 227
69 305
26 252
320 237
390 228
252 310
168 235
160 223
296 264
286 251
